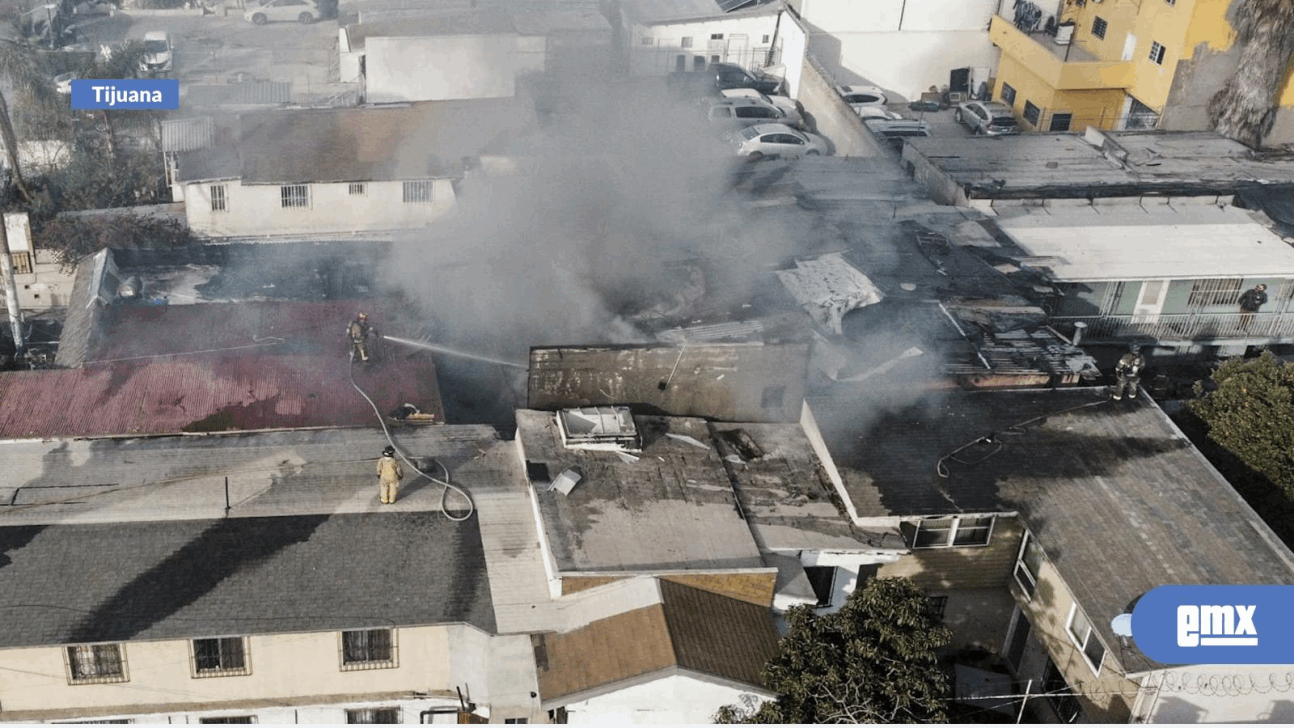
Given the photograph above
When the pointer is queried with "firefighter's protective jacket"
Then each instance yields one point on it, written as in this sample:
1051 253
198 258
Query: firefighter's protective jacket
389 470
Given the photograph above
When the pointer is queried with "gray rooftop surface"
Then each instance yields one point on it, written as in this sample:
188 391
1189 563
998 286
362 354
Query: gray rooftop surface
184 579
673 509
1064 165
1119 499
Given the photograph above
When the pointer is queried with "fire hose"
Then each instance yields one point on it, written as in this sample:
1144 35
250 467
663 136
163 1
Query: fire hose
444 493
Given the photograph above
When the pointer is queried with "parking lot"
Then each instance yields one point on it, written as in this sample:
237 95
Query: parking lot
225 48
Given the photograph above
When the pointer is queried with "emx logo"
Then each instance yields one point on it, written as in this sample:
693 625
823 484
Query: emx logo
1210 625
1220 625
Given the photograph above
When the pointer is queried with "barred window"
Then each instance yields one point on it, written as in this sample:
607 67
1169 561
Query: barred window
22 262
357 188
368 649
219 657
687 42
88 664
419 191
1099 26
218 203
1032 113
229 719
1215 292
1008 94
1157 53
373 715
295 195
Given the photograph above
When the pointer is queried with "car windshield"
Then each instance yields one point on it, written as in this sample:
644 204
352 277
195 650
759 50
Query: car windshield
749 133
155 46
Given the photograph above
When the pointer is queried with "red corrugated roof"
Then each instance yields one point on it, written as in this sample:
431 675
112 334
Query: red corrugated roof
144 377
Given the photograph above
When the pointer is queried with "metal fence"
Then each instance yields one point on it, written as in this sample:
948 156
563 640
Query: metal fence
1183 327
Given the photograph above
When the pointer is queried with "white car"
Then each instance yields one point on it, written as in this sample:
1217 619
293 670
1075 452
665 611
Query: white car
159 54
63 82
777 140
302 11
859 97
792 110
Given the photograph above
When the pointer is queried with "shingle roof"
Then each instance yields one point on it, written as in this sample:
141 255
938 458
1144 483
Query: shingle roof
184 579
694 630
215 367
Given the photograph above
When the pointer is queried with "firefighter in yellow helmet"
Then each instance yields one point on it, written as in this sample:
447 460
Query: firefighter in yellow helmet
389 474
358 332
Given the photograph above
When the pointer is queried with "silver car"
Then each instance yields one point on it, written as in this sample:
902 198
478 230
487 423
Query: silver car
792 110
777 140
987 117
730 114
302 11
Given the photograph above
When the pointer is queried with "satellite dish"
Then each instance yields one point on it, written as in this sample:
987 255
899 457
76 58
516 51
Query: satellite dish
1122 625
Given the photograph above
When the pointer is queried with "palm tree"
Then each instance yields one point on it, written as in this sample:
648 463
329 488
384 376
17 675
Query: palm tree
1246 106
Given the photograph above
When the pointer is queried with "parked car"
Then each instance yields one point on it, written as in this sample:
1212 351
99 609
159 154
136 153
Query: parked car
894 131
987 117
159 54
777 140
63 82
302 11
877 112
731 114
717 77
792 109
860 97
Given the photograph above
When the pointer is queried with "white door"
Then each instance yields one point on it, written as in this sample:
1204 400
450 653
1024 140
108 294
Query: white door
1151 301
1129 47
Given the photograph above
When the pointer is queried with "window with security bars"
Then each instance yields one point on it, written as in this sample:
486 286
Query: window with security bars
953 532
295 195
229 719
22 262
87 664
368 649
1215 292
1157 52
419 191
1008 94
220 656
219 202
373 715
357 188
1032 113
1099 26
1060 695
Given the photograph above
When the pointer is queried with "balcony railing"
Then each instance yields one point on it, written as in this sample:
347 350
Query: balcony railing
1060 74
1198 327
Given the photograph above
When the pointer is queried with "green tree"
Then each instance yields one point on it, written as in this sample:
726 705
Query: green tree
874 661
1251 415
72 238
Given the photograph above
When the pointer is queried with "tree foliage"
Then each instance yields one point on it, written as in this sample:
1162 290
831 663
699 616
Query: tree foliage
874 661
1251 415
72 238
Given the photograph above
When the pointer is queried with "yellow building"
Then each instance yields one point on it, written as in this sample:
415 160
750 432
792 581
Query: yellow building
1129 64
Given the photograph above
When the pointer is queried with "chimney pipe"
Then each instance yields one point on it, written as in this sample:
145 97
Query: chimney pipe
10 290
1079 327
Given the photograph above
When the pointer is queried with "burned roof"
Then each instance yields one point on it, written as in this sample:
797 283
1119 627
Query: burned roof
704 634
1100 164
668 506
1118 497
408 142
184 579
216 367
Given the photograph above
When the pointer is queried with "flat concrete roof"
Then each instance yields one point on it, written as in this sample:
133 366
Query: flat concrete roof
1193 241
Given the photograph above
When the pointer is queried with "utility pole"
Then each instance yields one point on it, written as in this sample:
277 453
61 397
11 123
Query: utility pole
10 290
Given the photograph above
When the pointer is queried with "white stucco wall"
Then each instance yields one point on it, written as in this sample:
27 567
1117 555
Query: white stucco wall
904 46
658 58
410 712
677 699
441 68
258 209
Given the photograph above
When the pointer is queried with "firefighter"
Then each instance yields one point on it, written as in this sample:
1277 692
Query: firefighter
1252 300
358 332
1127 372
389 474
